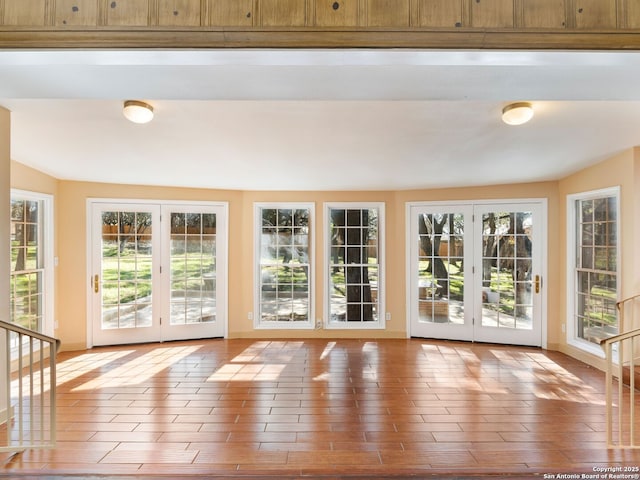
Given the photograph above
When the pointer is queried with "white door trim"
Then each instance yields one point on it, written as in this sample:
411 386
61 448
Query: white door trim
224 276
453 328
543 202
171 332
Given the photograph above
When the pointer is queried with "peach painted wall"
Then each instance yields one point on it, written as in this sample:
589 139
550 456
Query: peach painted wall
5 267
620 170
72 249
72 252
71 216
241 326
636 216
26 178
538 190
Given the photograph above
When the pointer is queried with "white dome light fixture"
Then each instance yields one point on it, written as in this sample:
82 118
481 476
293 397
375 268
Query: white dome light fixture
517 113
137 111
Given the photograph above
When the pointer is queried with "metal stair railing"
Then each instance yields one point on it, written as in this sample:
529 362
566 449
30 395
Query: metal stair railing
30 398
620 356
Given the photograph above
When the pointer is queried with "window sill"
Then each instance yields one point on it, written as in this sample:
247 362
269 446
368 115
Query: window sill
587 347
284 326
354 326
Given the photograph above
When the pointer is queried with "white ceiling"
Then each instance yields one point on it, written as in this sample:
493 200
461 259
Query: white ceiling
318 119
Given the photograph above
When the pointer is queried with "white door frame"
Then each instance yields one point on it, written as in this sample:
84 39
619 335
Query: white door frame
203 330
149 333
520 336
461 331
543 202
222 252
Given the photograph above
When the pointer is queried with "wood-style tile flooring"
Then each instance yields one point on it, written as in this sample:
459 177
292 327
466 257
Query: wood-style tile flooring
325 409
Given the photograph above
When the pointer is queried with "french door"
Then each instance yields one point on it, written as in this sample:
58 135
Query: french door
476 271
158 272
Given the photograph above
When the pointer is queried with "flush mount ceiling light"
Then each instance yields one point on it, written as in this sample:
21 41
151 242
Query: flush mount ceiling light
517 113
137 111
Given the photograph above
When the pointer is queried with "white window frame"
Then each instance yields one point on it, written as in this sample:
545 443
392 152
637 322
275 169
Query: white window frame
47 234
572 255
258 322
380 323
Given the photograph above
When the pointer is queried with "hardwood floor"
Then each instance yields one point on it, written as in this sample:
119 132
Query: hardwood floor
325 409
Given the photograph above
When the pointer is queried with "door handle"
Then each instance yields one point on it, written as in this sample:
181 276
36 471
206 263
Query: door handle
96 283
537 287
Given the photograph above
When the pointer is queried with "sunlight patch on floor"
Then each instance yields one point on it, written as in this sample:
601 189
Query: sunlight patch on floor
139 369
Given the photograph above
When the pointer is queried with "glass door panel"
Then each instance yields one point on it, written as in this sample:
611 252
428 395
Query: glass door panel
156 280
124 248
510 267
440 272
194 234
193 275
476 272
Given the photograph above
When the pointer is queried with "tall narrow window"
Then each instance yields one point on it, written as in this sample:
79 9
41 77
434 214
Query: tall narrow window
595 269
354 250
283 243
30 282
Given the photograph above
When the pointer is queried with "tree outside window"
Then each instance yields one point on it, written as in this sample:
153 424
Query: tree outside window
354 266
596 278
